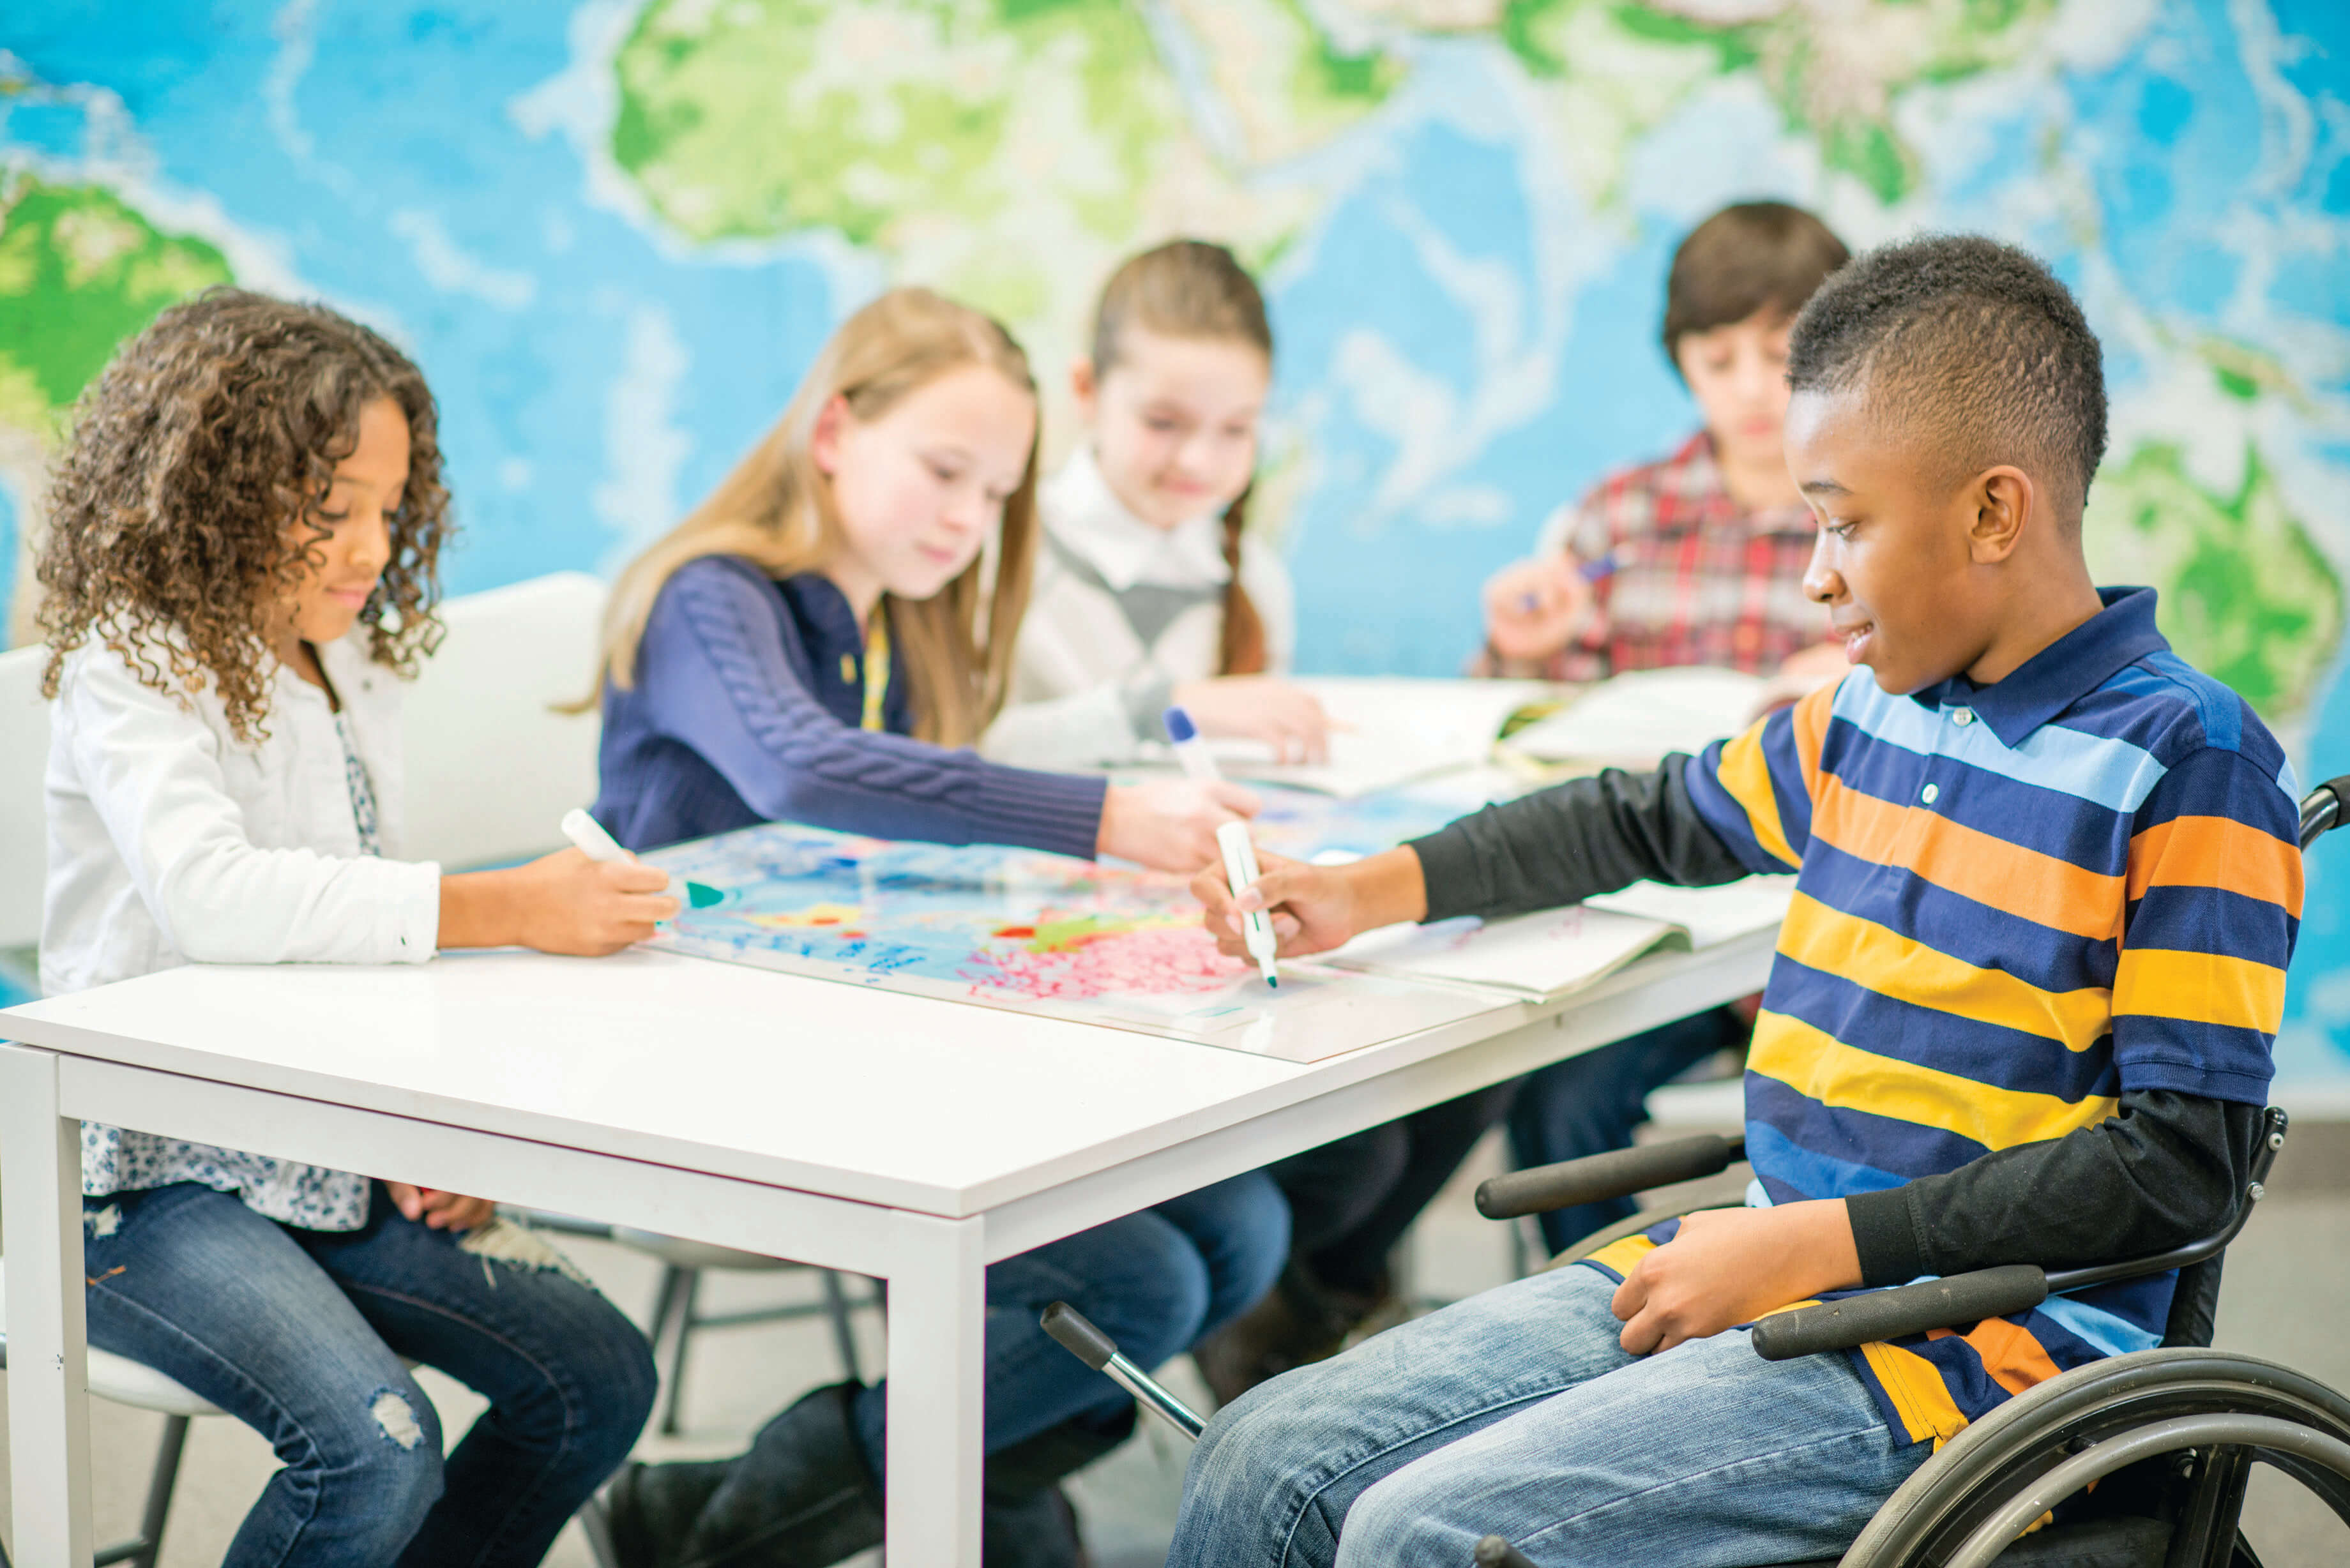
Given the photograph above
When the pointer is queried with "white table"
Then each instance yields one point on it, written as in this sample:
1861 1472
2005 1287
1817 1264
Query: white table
907 1138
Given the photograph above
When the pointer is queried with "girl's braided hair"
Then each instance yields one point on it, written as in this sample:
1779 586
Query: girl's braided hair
195 454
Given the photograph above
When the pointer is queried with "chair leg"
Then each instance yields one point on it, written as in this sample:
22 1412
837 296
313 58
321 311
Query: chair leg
163 1480
843 1332
688 1288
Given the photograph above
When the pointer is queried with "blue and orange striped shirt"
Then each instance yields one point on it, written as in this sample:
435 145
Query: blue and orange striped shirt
2016 902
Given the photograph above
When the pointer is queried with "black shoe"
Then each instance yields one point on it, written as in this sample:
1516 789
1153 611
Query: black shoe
649 1508
1040 1531
800 1498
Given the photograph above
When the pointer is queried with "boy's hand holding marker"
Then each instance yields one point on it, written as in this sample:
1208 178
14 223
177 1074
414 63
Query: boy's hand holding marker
1533 607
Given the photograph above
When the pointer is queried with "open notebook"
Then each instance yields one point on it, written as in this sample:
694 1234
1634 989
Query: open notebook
1556 952
1390 731
1634 721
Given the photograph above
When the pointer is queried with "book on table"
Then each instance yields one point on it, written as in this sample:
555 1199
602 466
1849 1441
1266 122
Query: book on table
1635 720
1556 952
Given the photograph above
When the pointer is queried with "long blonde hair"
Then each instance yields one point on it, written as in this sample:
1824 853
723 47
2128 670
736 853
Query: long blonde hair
775 509
1190 288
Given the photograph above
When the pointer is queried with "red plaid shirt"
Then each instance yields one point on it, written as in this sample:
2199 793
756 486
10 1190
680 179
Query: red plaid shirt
1698 579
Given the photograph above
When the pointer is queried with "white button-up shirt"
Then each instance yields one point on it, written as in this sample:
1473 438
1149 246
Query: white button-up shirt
1121 613
171 841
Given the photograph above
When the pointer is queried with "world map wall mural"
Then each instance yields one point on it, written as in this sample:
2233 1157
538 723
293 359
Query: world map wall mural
615 232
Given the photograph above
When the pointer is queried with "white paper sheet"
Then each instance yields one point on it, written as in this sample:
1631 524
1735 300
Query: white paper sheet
1634 721
1394 731
1549 954
1710 915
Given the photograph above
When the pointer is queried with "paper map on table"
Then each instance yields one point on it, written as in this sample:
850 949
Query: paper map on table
1042 933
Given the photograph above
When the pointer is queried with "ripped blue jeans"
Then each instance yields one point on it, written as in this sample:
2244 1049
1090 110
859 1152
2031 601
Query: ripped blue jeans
300 1334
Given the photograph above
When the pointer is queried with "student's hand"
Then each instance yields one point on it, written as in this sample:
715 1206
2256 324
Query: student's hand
441 1210
1315 907
559 903
1284 716
1170 824
1534 607
1802 673
1728 1266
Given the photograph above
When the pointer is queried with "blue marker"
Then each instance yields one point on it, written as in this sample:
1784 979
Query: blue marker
1599 569
1199 764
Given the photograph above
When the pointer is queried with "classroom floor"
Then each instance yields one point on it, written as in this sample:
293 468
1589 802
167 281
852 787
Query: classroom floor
2288 1285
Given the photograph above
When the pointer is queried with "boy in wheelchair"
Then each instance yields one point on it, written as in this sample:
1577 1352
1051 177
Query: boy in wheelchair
2021 1013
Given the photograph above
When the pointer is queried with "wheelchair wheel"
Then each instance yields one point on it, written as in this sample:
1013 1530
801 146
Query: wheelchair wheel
2168 1435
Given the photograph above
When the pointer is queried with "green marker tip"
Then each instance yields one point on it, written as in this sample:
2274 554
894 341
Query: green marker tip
701 895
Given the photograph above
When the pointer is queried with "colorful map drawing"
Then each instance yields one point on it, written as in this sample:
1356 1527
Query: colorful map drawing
1069 939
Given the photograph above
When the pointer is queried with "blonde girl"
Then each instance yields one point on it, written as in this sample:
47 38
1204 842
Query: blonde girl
821 638
813 643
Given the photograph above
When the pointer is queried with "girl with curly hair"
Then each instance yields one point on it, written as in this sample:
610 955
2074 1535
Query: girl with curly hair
239 571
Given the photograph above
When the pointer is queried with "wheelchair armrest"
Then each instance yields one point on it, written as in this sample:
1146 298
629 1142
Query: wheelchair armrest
1600 1176
1902 1310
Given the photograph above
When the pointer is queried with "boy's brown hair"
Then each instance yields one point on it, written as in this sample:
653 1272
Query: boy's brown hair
1747 257
203 443
1190 288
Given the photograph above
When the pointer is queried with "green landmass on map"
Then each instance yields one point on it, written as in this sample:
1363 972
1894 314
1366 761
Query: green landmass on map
80 271
1830 79
761 117
2247 596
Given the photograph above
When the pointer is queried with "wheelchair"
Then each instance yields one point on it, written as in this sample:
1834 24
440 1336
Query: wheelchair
2167 1437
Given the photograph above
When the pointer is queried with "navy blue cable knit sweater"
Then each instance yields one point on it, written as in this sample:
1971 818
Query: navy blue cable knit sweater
748 697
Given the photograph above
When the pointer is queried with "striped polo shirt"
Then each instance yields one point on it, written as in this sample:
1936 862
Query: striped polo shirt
2015 902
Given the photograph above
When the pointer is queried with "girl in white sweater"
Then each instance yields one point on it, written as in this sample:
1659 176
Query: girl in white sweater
239 570
1150 589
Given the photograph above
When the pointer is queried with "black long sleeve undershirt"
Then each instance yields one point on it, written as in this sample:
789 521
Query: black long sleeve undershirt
2166 1169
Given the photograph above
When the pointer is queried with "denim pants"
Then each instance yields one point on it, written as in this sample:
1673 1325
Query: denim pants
1517 1413
1591 1103
1154 1281
300 1334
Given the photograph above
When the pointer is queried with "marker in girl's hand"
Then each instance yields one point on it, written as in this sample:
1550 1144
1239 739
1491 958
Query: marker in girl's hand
1199 764
585 832
1240 870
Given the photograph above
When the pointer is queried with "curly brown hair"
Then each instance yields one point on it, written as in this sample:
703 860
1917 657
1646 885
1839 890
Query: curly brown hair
206 438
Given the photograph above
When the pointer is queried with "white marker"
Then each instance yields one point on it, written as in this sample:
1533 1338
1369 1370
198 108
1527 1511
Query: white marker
1240 870
589 834
1198 763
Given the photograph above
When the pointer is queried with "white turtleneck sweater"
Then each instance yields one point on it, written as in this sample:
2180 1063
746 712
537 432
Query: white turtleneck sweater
1121 613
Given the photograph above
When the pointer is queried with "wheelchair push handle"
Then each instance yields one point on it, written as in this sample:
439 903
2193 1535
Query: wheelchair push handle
2325 808
1600 1176
1076 1334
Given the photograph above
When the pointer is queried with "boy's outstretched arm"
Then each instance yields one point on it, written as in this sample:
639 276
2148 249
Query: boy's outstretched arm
1562 845
1555 847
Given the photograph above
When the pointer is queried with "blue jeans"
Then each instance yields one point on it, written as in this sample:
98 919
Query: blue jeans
1154 1281
1590 1104
1517 1413
300 1334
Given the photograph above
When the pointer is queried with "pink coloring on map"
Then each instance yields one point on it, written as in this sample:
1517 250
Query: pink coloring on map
1154 961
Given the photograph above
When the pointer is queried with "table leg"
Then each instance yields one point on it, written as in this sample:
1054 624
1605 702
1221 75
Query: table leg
48 1378
938 1313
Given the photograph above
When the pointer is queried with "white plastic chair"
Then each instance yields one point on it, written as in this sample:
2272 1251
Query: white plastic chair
141 1388
24 837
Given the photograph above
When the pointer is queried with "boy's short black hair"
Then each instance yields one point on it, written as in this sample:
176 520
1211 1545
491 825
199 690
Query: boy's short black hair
1971 344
